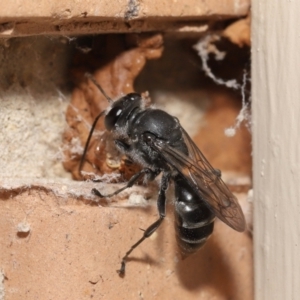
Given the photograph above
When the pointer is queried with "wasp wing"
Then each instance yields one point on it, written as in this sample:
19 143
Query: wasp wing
205 179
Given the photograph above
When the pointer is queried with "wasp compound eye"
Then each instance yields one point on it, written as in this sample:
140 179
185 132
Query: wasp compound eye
112 117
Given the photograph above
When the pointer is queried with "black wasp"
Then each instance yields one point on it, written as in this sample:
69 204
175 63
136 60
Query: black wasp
156 140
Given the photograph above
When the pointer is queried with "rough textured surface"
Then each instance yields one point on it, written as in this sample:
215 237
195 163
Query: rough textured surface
56 241
129 9
34 95
82 17
72 251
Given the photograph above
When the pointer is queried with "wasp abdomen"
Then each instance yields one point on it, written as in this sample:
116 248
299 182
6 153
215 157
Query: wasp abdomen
194 221
190 240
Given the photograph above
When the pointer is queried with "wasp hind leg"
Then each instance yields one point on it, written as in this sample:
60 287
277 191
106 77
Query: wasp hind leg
161 206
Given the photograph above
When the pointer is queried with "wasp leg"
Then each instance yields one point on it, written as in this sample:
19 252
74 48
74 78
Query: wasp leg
151 175
161 206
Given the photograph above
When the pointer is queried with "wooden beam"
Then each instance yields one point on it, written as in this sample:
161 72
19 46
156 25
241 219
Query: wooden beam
276 148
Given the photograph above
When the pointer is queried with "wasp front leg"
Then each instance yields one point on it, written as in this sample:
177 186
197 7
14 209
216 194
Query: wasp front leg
146 171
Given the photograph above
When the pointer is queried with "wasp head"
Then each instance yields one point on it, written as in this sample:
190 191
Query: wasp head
122 110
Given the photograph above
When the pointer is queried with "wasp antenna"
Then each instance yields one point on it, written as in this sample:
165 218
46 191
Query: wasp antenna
88 140
92 78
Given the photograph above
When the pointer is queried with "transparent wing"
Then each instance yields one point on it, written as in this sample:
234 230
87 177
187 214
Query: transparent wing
205 179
